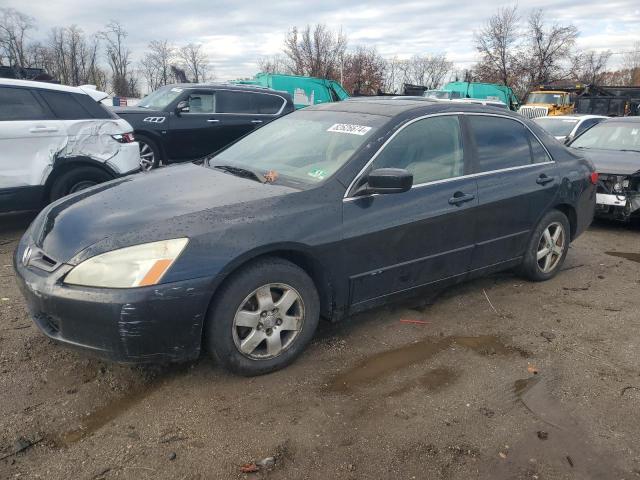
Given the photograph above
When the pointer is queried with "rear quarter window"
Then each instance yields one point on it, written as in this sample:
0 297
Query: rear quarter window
247 103
68 106
21 104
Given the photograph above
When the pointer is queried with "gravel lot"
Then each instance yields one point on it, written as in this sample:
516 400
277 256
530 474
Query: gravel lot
374 398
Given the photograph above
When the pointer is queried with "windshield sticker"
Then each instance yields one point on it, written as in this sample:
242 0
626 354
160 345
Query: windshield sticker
348 128
176 89
317 173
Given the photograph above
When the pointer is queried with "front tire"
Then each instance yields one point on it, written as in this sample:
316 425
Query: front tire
77 179
263 317
547 247
149 153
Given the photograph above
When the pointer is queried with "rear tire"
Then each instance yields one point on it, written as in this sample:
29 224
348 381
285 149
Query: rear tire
77 179
149 153
263 317
548 247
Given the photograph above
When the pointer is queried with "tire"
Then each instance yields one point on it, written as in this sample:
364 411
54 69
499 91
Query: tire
536 269
238 299
149 153
76 179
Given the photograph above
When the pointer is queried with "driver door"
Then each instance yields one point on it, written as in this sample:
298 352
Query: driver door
399 242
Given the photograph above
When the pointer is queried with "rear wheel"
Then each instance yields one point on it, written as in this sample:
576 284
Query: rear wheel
263 317
77 179
149 153
547 248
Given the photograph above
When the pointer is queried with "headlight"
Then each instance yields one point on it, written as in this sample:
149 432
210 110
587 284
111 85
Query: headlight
137 266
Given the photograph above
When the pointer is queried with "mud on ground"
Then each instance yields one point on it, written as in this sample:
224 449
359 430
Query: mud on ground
508 379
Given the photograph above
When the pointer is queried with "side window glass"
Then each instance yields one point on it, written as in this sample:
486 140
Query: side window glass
96 109
20 104
238 102
431 149
501 143
538 152
201 102
64 105
269 104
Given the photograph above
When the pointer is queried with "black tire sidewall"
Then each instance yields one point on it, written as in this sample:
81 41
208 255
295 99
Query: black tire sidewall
530 268
62 185
218 329
152 145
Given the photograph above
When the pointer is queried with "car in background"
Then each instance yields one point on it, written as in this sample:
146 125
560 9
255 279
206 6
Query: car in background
328 211
433 98
566 127
614 148
56 140
185 122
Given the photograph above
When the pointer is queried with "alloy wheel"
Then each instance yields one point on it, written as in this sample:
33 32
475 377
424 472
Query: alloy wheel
147 157
551 247
268 321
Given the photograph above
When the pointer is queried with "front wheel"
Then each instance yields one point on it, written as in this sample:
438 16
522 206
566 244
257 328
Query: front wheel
263 317
547 247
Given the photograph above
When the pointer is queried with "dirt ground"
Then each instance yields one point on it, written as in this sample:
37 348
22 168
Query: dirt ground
508 379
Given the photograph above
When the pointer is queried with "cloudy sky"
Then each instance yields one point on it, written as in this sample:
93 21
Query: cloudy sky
235 34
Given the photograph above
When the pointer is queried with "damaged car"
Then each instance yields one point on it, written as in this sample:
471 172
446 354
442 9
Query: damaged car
325 212
56 140
614 148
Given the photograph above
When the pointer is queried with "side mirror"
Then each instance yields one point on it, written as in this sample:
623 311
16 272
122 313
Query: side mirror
182 107
389 180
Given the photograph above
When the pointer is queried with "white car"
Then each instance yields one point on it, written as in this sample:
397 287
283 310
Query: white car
56 140
568 127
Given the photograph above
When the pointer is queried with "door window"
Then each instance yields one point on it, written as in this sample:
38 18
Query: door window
248 103
64 105
538 152
20 104
431 149
586 124
501 143
201 102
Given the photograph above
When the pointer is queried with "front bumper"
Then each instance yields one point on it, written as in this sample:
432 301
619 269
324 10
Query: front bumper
162 323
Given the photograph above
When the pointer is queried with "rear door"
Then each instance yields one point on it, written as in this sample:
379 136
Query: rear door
241 112
401 241
29 138
517 182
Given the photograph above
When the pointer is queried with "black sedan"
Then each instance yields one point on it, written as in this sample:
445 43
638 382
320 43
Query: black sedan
325 212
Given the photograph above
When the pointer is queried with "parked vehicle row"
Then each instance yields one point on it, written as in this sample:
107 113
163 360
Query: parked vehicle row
325 212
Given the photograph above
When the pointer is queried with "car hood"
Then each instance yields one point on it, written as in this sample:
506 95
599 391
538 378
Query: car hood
613 161
171 202
136 110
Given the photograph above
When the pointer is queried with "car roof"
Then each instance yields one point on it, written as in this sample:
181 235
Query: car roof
390 107
226 85
43 85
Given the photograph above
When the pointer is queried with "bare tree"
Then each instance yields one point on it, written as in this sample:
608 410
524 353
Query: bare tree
429 71
156 64
195 61
274 64
316 51
548 47
14 27
589 67
363 71
119 58
631 63
497 43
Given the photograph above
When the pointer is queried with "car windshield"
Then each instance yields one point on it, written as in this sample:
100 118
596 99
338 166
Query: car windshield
610 136
303 148
159 99
558 127
552 98
441 94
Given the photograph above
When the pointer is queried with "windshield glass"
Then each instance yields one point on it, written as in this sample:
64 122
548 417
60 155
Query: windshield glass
552 98
159 99
610 136
303 148
558 127
441 94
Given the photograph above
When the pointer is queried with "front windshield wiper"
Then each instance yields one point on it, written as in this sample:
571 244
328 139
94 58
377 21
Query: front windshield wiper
629 150
241 172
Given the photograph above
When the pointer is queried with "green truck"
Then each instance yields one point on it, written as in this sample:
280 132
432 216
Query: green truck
482 91
305 91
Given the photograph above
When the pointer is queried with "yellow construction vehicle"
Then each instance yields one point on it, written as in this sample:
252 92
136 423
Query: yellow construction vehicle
551 100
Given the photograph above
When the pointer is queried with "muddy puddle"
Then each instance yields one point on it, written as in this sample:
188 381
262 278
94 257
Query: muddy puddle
385 363
634 257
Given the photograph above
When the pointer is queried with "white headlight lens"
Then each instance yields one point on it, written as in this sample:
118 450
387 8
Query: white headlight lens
137 266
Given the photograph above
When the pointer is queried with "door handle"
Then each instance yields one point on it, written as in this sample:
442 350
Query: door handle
256 121
43 129
459 198
543 179
213 120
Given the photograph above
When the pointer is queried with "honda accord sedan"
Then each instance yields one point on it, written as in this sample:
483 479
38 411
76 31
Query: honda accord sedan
325 212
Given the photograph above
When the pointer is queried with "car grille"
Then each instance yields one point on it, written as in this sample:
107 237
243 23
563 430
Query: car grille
533 112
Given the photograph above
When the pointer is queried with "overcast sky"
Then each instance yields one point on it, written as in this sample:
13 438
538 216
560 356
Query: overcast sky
235 34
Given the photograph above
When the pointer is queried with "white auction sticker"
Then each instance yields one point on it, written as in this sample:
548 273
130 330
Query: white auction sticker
348 128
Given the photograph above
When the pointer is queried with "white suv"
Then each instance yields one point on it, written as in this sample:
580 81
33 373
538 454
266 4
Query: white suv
56 140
